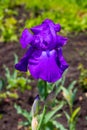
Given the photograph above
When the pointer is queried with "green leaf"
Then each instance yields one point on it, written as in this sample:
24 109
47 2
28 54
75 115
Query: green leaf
41 89
21 81
74 95
10 21
75 114
67 115
58 82
16 59
56 116
1 116
49 115
7 74
64 77
11 95
2 83
42 118
66 95
23 112
58 125
24 123
71 85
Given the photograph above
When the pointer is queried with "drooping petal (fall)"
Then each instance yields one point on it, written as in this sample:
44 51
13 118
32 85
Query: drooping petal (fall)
46 65
23 63
60 59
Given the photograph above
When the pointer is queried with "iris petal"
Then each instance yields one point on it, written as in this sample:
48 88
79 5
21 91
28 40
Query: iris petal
25 38
57 27
36 29
23 63
46 65
45 40
61 41
50 23
45 24
45 36
60 59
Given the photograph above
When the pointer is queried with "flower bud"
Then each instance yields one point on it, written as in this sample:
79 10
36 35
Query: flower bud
35 106
34 124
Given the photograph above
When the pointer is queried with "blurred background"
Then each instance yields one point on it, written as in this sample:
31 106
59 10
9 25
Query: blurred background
15 15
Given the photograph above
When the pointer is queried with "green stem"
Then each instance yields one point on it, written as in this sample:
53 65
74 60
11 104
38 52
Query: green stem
71 123
45 90
41 121
71 110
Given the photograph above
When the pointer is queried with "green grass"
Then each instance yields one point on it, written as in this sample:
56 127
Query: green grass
71 14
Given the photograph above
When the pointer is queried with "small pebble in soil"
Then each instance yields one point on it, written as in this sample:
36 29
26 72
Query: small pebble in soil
86 95
80 98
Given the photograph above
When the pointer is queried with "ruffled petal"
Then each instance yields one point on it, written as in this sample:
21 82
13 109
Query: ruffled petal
36 29
46 65
61 41
57 27
26 38
51 24
43 40
45 24
46 36
48 41
42 27
23 63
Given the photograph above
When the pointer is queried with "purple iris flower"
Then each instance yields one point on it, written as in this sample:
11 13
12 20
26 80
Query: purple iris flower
44 57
